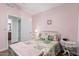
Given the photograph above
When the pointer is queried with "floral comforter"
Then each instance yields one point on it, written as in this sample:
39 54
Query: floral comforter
46 48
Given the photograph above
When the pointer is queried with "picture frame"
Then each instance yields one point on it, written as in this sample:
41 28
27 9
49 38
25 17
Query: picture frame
49 22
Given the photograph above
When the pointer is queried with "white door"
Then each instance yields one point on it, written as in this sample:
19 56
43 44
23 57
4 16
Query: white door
14 30
26 29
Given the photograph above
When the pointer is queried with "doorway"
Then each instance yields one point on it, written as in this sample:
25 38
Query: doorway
14 29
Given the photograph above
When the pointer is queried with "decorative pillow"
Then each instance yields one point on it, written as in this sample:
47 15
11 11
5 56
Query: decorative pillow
56 38
43 37
50 37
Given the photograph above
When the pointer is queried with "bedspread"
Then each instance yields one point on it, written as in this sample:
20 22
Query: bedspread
34 48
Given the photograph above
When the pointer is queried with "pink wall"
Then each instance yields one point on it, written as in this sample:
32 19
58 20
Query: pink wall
64 20
4 12
3 25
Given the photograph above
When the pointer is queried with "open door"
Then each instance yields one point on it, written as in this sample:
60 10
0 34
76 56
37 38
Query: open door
16 29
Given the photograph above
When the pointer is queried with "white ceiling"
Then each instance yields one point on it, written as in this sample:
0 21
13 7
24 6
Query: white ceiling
35 8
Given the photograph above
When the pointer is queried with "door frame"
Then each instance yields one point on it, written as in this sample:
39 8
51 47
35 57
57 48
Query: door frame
19 30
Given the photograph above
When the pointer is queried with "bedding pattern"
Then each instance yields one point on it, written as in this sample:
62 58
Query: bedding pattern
34 48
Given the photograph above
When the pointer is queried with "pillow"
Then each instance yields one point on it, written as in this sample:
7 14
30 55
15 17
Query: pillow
56 38
50 37
43 36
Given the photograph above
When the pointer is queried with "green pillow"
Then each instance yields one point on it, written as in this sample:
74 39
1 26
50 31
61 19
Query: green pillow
47 41
50 37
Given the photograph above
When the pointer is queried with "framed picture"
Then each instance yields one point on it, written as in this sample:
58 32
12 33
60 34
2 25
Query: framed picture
49 22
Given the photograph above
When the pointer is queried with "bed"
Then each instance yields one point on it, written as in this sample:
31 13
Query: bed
36 47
